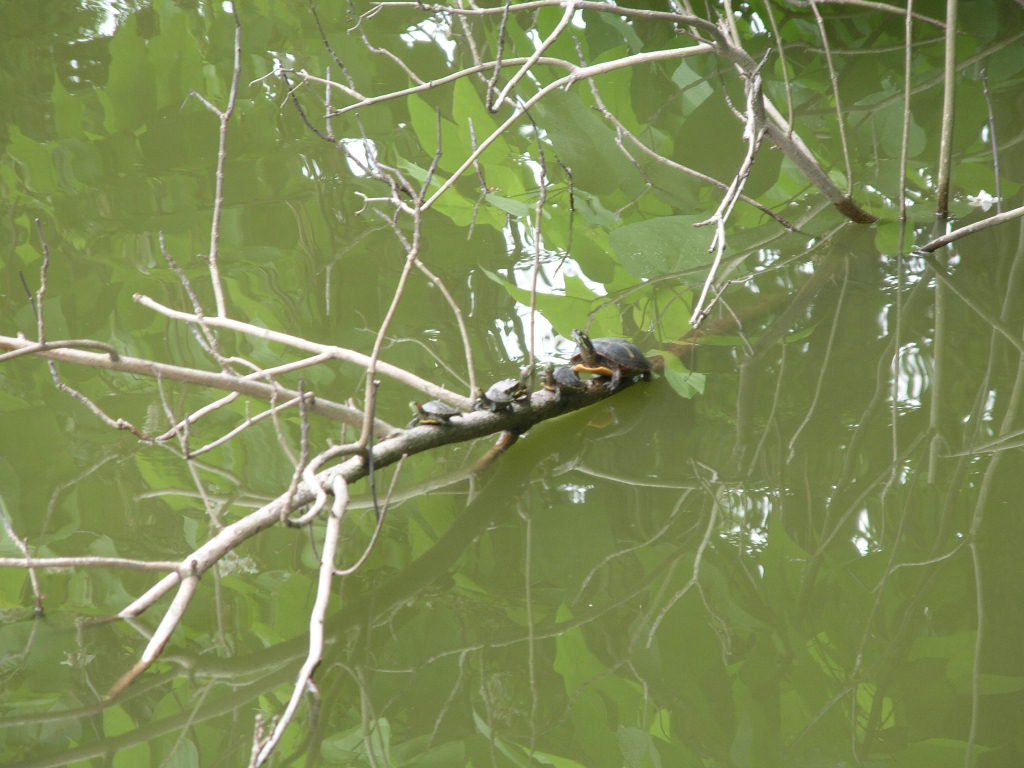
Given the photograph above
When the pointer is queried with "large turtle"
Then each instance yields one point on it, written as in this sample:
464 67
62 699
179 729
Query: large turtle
615 359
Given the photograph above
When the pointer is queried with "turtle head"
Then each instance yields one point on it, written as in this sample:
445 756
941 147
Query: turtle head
583 340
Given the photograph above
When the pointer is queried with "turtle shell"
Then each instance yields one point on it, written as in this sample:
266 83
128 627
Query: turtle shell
437 408
433 413
619 353
563 379
505 391
501 395
605 356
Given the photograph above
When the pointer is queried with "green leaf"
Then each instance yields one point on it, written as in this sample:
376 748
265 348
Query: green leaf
185 755
685 382
889 122
411 754
514 752
34 159
352 745
587 145
605 31
637 748
563 312
556 760
468 107
694 87
453 204
425 123
935 753
593 211
574 661
512 207
659 246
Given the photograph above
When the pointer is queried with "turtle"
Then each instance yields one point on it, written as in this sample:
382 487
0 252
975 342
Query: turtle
501 395
434 413
615 359
563 380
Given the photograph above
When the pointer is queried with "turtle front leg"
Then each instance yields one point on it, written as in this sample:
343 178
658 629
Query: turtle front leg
616 380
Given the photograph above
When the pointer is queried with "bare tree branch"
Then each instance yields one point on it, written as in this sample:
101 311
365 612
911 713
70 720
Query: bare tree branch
948 101
26 562
834 79
970 229
317 617
89 562
246 385
296 342
218 199
754 130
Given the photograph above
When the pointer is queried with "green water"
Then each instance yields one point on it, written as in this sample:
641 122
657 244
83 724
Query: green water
816 562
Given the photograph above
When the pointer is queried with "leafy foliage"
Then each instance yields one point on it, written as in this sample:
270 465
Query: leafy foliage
754 578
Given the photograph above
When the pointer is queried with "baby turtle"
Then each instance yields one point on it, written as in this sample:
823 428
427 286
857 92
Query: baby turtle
614 359
501 395
563 381
433 413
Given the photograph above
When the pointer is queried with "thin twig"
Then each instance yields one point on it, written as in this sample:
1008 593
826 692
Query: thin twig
780 46
894 404
492 82
410 262
948 104
538 245
267 373
979 640
834 79
460 319
754 131
698 558
998 324
621 129
779 129
205 336
570 9
110 421
377 528
215 380
875 6
908 31
297 342
27 561
829 346
218 197
970 229
983 76
250 421
578 73
44 270
46 346
88 562
302 462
